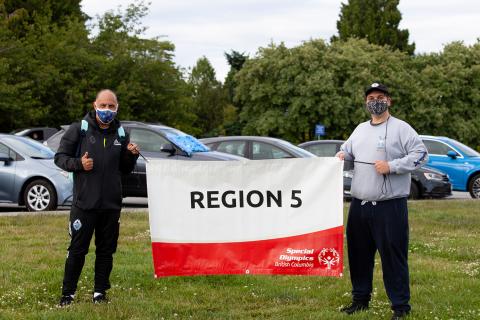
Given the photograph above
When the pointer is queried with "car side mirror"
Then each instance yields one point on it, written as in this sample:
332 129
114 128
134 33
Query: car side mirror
452 154
5 158
169 148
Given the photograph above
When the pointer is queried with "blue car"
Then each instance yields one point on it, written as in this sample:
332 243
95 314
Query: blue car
460 162
29 177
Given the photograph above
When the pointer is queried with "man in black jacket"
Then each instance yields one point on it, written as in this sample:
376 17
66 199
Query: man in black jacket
98 152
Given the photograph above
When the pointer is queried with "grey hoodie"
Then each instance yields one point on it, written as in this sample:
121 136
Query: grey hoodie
394 141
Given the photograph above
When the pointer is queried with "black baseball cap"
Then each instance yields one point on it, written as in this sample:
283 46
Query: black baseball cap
377 86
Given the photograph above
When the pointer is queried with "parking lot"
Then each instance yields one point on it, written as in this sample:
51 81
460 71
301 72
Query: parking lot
141 204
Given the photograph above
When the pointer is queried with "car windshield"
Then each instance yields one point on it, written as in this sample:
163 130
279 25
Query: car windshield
29 147
299 150
184 141
469 152
19 132
171 131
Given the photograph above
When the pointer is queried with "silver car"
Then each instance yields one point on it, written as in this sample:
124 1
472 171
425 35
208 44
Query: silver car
29 177
256 147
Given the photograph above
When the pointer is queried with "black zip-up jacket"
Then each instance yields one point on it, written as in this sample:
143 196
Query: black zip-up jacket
101 187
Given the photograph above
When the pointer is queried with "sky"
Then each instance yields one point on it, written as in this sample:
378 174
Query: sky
212 27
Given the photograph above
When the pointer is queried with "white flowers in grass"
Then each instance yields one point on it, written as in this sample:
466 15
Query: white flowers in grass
472 269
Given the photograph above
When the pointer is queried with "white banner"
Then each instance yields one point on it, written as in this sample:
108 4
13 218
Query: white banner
206 217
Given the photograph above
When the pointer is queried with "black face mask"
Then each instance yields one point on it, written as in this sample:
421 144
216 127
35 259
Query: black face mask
377 107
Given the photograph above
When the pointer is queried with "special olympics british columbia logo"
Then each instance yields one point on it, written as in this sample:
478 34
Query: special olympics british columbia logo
328 258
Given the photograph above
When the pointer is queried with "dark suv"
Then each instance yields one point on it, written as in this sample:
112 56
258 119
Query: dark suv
154 141
426 182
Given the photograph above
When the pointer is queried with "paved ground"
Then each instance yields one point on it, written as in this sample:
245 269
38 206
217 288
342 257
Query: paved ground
129 204
141 204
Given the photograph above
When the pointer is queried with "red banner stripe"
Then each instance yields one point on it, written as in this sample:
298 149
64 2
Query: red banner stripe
318 253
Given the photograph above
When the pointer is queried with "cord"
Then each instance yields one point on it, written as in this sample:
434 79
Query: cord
146 160
384 188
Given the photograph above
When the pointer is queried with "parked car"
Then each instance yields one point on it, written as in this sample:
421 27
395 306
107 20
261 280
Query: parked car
256 148
29 177
154 141
53 142
40 134
460 162
426 182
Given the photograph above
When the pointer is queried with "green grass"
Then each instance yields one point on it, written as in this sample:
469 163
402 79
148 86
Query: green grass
444 267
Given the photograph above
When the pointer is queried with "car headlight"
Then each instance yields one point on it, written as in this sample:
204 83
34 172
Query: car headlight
348 174
432 176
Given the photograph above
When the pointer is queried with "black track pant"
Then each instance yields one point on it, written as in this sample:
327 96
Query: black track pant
381 226
83 224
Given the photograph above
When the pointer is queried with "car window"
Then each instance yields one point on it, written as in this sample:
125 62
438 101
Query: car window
9 152
232 147
29 147
262 150
3 149
438 148
36 135
148 141
293 148
469 152
323 149
54 141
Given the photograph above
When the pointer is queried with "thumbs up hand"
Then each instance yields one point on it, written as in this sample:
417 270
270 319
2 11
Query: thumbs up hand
87 162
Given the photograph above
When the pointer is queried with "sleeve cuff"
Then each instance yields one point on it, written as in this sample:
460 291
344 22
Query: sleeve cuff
78 165
393 166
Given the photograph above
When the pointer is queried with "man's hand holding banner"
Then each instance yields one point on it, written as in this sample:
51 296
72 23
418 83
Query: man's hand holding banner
246 217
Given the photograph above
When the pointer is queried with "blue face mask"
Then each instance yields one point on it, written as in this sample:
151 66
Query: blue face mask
106 116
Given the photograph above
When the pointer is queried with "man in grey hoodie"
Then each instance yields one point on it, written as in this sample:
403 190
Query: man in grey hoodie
384 150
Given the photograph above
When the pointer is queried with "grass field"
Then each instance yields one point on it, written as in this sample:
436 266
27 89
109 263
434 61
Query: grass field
444 267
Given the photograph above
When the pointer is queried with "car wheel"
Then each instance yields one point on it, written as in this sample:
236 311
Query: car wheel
40 195
474 187
414 191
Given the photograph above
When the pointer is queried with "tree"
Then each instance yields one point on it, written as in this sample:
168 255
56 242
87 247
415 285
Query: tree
21 13
44 71
448 102
50 74
236 60
232 123
286 91
208 98
375 20
141 71
59 10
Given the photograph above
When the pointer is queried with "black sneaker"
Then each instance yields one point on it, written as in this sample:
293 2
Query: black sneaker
100 298
400 314
355 307
65 300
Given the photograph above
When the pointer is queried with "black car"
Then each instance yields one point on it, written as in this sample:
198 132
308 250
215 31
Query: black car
154 141
426 182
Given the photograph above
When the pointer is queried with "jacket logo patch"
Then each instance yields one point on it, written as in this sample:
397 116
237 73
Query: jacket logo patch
77 225
92 139
116 143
